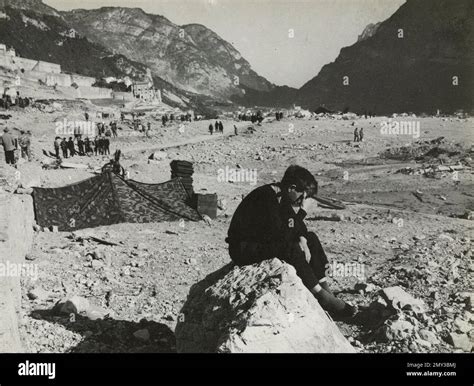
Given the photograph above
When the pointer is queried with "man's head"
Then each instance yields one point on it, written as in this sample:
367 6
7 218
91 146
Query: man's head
298 183
6 130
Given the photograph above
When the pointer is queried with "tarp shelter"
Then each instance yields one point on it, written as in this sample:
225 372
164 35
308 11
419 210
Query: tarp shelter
109 199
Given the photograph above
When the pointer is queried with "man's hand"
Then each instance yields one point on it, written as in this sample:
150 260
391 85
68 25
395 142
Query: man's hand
303 243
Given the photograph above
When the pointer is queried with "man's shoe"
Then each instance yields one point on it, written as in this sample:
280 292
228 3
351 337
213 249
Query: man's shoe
336 307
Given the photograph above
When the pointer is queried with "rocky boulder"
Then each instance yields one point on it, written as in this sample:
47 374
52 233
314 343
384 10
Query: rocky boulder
262 308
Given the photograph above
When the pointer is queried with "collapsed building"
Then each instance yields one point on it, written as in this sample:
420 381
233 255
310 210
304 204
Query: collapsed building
72 85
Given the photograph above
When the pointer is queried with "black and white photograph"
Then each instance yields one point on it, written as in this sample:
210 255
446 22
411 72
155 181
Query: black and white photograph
237 177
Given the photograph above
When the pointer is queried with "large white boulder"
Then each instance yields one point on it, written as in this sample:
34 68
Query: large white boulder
262 308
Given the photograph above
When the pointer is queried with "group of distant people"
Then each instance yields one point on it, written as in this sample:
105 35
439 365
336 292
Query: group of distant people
254 117
279 115
11 144
100 145
358 134
218 127
139 126
165 118
108 131
7 101
368 114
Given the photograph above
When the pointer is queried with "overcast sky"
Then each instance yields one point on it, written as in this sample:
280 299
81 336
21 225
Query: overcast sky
260 29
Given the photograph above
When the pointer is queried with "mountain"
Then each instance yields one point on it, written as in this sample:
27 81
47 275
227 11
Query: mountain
36 6
408 63
279 96
191 57
44 36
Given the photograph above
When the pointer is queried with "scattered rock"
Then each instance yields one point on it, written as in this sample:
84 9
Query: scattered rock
444 236
143 334
222 204
88 334
469 215
95 313
397 330
468 298
72 305
462 325
429 336
30 257
404 247
470 302
207 219
460 341
158 155
365 287
38 293
97 264
24 191
400 299
329 217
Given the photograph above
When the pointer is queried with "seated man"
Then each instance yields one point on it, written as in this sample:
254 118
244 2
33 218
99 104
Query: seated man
268 223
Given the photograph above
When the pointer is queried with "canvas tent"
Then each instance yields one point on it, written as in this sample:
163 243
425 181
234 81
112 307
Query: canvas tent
109 199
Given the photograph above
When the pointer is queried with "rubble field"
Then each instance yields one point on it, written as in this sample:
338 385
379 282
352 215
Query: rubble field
408 233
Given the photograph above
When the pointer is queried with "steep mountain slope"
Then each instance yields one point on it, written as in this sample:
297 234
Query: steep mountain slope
36 6
390 72
42 36
191 57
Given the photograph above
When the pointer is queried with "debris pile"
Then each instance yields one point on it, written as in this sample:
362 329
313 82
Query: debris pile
435 151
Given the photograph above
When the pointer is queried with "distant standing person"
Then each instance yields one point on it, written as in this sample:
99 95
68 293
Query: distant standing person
221 127
211 128
80 146
106 146
57 146
64 147
28 145
70 146
88 146
9 146
356 135
96 145
235 130
114 129
216 127
24 143
361 134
